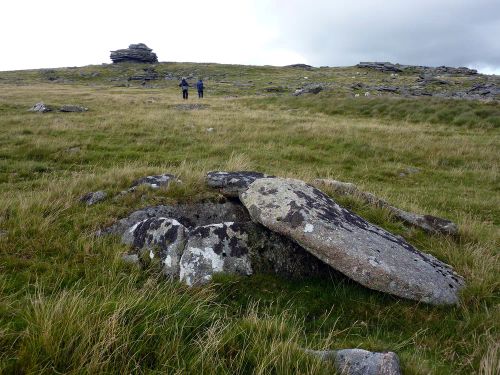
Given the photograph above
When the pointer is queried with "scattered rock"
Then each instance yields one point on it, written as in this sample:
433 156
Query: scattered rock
301 66
154 182
231 184
212 249
138 53
430 224
381 66
309 89
73 108
362 251
149 75
360 362
93 197
190 107
3 233
210 130
40 107
277 89
73 150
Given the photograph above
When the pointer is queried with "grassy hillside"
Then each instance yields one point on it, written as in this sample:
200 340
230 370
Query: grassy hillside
68 304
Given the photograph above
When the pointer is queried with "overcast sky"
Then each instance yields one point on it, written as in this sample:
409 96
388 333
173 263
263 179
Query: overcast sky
59 33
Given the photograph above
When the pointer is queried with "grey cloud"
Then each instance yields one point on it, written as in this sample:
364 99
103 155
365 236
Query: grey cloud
446 32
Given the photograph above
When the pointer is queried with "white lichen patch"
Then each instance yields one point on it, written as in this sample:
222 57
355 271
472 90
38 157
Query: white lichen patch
308 228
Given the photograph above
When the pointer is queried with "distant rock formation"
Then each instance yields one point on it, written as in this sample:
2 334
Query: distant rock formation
139 53
301 66
397 68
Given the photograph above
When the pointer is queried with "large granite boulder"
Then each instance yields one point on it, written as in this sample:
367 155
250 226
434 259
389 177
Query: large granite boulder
138 53
231 184
362 251
360 362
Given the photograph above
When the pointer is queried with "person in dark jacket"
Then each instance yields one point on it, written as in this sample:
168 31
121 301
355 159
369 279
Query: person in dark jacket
199 86
184 85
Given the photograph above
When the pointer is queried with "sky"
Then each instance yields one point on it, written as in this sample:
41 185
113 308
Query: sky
57 33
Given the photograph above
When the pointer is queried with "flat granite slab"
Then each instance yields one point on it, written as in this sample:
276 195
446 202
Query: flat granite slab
362 251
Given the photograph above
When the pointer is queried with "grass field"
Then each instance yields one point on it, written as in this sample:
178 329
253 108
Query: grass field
68 304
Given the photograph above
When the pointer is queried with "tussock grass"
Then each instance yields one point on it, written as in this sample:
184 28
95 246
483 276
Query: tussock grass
68 304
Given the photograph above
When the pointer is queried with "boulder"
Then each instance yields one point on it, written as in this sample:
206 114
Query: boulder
429 223
138 53
93 197
161 238
309 89
231 184
213 249
40 107
72 108
154 182
360 362
360 250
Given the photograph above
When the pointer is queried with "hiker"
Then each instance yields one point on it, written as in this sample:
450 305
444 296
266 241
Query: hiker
184 85
199 86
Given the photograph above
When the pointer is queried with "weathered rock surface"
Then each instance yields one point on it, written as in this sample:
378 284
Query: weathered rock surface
429 223
154 182
40 107
93 197
73 108
397 68
231 184
360 362
380 66
215 248
161 238
301 66
134 53
362 251
309 89
190 215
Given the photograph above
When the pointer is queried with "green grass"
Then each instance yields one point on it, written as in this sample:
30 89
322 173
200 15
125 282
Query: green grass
69 305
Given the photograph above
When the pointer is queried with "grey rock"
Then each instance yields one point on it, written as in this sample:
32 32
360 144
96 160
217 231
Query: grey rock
380 66
300 66
231 184
190 215
73 108
153 182
309 89
360 362
269 252
139 53
161 238
131 258
40 107
215 248
93 197
429 223
360 250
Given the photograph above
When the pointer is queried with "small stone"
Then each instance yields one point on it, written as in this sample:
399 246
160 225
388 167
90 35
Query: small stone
231 184
73 108
93 197
154 182
40 107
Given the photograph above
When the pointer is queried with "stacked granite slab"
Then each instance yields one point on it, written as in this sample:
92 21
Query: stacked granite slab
138 53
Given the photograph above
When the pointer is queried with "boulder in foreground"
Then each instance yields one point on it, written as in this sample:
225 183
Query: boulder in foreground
362 251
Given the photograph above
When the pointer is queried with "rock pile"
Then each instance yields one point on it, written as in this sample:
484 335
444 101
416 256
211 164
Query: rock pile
381 66
398 68
284 226
138 53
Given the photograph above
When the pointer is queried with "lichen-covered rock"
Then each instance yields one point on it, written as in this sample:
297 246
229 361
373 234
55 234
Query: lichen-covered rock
40 107
154 182
93 197
213 249
190 215
231 184
161 238
360 362
362 251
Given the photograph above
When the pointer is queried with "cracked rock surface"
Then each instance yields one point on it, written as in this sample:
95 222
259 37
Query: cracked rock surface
360 250
231 184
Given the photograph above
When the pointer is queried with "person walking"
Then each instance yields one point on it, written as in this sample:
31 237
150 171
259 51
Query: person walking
184 85
199 86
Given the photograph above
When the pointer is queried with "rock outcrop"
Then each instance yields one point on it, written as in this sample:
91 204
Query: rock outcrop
398 68
362 251
137 53
231 184
428 223
154 182
360 362
40 107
